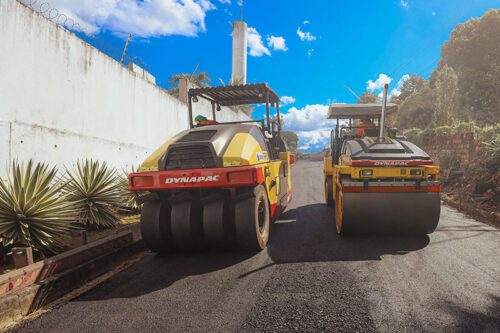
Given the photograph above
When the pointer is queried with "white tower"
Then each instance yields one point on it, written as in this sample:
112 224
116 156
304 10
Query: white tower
239 70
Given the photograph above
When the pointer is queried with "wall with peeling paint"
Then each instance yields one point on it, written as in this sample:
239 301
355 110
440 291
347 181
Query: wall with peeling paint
61 99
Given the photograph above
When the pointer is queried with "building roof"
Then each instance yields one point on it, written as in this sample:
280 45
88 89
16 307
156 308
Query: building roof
350 111
237 95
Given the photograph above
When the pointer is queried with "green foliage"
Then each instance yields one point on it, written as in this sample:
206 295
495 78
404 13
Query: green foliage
199 78
291 139
412 85
129 198
449 160
473 51
367 97
95 190
32 211
416 110
445 97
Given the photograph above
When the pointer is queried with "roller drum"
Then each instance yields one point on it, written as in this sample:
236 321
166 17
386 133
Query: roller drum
390 213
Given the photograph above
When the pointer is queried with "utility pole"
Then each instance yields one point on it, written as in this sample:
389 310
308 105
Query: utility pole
125 49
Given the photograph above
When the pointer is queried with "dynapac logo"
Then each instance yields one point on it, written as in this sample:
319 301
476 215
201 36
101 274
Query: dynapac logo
177 180
391 163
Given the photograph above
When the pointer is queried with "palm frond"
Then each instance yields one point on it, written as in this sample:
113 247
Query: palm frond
95 190
32 210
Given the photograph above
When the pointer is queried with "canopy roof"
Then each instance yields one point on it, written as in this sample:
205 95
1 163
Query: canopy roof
237 95
350 111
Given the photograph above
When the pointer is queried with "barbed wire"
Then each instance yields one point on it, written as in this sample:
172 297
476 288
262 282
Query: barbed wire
52 13
44 8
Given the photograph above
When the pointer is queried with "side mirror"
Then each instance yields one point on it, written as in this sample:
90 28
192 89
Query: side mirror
292 159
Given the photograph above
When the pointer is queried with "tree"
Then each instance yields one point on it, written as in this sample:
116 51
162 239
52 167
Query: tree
416 110
445 96
410 86
291 139
473 51
201 79
367 97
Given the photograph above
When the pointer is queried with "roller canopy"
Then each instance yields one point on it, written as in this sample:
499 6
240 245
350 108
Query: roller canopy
350 111
237 94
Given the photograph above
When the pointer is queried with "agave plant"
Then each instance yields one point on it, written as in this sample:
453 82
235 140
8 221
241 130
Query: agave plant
95 189
32 210
129 198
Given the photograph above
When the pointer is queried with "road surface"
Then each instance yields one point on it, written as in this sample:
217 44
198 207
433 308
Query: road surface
308 280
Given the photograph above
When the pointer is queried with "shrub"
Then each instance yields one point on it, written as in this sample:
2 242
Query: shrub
32 210
95 190
129 198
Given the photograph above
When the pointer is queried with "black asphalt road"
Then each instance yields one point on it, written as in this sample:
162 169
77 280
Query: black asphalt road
308 280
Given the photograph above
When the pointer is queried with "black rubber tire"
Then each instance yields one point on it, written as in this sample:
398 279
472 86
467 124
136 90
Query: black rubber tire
218 224
186 225
155 226
329 191
252 228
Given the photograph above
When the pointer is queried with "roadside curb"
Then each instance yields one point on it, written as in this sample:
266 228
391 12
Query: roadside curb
57 276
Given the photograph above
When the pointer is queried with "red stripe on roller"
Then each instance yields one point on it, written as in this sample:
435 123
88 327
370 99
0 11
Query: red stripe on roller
196 178
391 189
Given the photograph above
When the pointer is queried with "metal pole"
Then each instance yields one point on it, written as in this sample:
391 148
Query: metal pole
382 117
213 111
267 114
335 144
279 117
125 49
190 109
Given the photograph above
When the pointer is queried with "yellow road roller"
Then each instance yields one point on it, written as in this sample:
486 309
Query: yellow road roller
217 185
378 183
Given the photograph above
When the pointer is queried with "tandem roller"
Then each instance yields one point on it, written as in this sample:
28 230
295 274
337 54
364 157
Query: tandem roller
378 184
216 185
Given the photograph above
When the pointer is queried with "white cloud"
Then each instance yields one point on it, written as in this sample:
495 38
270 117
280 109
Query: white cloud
311 125
140 18
310 52
379 82
305 36
395 92
277 43
306 22
285 100
225 2
255 44
404 3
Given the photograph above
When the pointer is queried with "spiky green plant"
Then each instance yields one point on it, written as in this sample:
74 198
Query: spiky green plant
95 189
32 210
129 198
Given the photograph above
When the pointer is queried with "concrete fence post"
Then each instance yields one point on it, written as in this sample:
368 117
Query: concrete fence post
78 238
183 90
22 256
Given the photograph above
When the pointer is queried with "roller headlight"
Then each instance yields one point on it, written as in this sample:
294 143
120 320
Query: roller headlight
366 173
416 172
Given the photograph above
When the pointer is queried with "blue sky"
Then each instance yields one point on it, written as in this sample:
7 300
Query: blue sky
327 44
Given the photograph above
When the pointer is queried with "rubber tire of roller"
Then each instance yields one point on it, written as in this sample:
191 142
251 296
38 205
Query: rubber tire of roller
155 226
249 234
329 191
187 225
218 225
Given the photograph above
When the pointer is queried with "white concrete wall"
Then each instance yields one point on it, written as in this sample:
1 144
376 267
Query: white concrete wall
62 100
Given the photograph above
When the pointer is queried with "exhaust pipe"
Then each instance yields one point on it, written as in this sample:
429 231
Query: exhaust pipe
382 117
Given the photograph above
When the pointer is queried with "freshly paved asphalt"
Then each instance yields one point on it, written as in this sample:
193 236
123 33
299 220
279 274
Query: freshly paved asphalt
308 280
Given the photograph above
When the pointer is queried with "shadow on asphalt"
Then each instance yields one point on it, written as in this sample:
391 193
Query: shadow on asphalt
304 234
157 272
468 320
307 234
